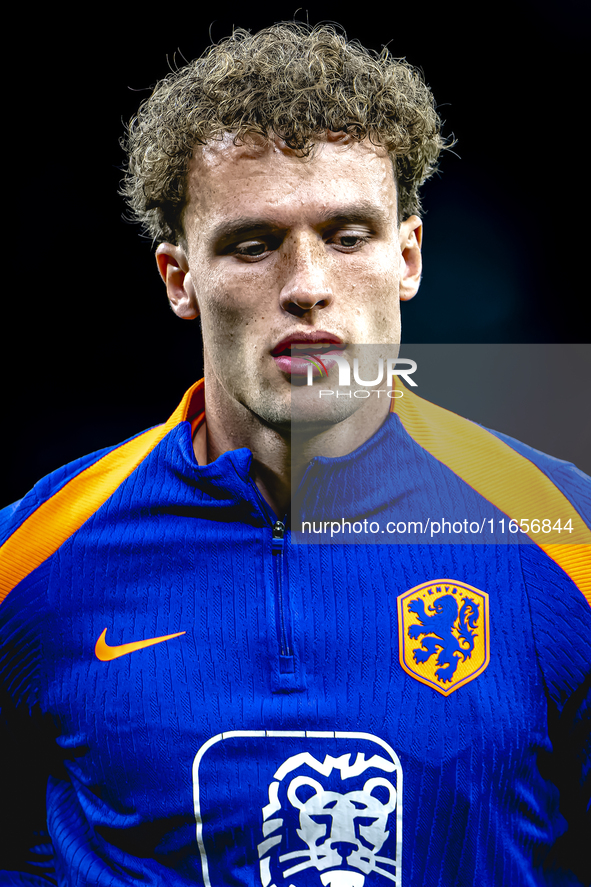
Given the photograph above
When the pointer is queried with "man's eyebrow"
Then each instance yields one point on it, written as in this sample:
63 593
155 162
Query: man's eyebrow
362 213
358 213
240 227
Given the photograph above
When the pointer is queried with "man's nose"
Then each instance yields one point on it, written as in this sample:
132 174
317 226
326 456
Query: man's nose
306 283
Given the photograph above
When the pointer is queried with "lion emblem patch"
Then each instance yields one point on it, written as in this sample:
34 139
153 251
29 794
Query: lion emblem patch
298 809
339 822
444 635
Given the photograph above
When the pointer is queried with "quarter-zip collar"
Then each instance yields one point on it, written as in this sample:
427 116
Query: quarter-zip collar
371 474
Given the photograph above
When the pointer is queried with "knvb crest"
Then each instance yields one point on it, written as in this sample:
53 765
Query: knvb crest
444 635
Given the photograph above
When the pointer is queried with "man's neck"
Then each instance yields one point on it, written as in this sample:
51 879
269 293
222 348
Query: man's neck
280 458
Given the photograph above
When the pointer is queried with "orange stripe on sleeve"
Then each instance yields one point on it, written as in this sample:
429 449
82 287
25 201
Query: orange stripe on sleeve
48 527
508 480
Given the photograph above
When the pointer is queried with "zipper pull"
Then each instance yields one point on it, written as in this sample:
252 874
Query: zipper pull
278 529
278 536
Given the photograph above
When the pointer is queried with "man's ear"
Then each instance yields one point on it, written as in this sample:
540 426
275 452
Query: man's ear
174 271
411 238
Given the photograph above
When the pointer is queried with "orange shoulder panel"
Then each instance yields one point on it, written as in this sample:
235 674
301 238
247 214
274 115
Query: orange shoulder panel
508 480
48 527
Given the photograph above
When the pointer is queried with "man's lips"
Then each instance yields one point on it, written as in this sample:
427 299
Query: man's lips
295 354
313 341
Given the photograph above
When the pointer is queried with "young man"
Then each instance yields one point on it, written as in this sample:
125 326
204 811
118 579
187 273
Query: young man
192 696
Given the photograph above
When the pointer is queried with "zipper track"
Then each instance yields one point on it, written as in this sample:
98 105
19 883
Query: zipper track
278 527
278 544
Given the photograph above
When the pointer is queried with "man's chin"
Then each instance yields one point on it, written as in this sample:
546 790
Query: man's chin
307 412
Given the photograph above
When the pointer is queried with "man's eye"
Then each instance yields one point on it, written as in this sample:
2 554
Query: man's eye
251 249
350 242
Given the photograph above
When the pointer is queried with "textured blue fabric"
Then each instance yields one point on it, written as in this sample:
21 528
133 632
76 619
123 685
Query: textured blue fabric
284 705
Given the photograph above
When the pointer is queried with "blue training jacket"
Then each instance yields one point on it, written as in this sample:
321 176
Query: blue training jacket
386 687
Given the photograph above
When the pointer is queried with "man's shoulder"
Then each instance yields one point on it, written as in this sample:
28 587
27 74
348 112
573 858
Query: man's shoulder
81 486
573 483
510 474
54 483
34 527
17 512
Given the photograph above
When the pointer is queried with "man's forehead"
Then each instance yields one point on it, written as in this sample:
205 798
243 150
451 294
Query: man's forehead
228 169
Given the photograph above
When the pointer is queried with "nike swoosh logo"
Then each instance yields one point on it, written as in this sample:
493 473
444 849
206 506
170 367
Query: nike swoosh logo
105 653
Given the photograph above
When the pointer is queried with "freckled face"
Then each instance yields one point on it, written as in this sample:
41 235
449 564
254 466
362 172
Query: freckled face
279 246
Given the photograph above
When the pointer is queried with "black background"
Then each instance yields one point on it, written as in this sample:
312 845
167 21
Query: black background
93 354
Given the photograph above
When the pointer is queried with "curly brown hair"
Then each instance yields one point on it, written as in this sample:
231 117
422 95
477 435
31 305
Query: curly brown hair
290 80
